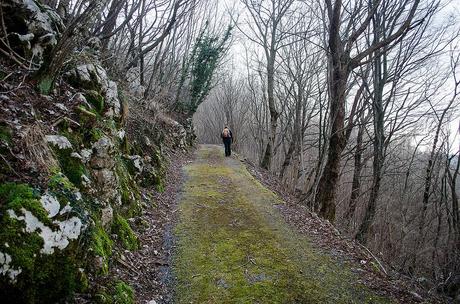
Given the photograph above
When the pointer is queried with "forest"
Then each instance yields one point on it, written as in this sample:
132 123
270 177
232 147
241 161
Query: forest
354 106
351 106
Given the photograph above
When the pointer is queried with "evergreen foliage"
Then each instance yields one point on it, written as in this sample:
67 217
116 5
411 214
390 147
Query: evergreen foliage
201 66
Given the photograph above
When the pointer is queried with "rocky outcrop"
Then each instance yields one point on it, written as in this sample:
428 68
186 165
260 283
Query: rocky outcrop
71 168
33 28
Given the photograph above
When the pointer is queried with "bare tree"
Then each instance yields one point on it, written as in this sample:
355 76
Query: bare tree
341 62
268 30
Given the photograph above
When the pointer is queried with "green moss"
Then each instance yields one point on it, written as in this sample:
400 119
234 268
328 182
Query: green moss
21 196
233 246
5 134
71 166
74 136
67 194
125 146
96 134
124 294
45 85
102 246
130 194
127 237
155 177
88 116
59 181
96 100
22 247
83 281
11 191
103 297
118 292
43 278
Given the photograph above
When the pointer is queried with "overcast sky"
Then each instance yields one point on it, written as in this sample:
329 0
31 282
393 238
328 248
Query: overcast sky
238 61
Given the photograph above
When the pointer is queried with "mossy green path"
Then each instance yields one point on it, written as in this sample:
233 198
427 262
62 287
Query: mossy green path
233 246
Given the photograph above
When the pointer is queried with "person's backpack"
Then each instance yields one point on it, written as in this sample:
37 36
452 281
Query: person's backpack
226 133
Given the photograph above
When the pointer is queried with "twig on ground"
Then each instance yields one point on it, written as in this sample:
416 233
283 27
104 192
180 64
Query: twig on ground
375 258
9 166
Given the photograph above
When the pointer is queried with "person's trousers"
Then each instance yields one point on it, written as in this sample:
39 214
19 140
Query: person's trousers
227 144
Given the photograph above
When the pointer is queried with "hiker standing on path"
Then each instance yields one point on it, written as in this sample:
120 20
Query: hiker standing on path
227 137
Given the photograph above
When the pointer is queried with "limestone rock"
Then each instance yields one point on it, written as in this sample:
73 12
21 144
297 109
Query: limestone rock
102 164
174 132
93 77
106 182
111 99
81 99
85 155
107 216
89 76
103 152
34 27
136 163
60 141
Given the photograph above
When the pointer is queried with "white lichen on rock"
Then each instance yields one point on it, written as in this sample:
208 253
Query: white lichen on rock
60 141
121 134
137 163
85 155
50 204
5 267
69 229
111 95
75 155
66 209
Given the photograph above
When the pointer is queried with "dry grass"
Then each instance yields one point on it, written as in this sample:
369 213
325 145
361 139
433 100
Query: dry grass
36 149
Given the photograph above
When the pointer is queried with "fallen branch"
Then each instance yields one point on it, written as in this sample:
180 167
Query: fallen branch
375 258
60 119
86 112
9 166
128 266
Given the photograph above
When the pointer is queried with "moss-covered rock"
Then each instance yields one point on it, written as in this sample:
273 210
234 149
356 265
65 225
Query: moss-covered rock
129 190
101 245
96 100
29 272
124 232
124 294
71 166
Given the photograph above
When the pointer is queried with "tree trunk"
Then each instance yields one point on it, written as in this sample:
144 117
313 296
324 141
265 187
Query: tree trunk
379 81
50 3
63 9
141 38
429 170
327 187
111 22
337 82
49 70
294 146
267 159
452 177
356 184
